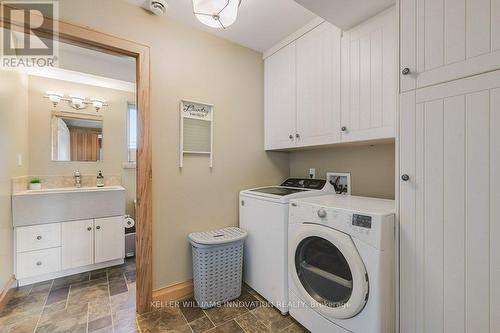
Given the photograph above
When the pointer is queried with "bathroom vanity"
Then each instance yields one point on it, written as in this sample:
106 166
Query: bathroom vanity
59 232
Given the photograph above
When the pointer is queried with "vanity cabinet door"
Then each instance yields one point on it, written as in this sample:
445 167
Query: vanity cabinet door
109 239
77 243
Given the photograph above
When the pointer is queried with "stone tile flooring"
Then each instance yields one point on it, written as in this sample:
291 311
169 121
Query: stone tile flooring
104 301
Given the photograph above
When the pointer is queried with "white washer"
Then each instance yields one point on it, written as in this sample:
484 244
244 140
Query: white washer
264 215
341 264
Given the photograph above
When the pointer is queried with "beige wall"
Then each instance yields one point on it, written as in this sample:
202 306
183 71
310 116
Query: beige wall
191 64
13 141
372 168
114 132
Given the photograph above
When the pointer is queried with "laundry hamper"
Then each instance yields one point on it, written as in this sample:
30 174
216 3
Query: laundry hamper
217 265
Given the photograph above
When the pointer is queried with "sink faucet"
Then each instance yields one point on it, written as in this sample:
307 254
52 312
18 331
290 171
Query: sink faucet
78 179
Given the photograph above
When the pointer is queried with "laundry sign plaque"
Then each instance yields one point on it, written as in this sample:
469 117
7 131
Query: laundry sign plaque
196 129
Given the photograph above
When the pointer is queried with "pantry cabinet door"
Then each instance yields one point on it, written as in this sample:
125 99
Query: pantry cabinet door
109 239
449 207
444 40
369 80
280 99
318 86
77 238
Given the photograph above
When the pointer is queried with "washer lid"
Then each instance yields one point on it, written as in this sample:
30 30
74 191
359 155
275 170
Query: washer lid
278 190
328 271
216 237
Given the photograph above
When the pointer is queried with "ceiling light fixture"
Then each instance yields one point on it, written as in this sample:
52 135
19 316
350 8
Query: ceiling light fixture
216 13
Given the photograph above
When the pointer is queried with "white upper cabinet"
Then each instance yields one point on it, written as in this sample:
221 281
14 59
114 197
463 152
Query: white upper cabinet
318 86
279 96
447 40
369 79
302 91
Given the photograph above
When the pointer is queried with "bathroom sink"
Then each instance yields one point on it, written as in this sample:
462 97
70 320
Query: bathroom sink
67 204
70 189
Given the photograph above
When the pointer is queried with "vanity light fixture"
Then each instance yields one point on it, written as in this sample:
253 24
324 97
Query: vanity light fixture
76 102
216 13
55 98
97 103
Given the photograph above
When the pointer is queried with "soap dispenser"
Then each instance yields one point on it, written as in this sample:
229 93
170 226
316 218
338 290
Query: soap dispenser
100 179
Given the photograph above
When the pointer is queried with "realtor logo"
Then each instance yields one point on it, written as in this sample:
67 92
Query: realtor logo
29 34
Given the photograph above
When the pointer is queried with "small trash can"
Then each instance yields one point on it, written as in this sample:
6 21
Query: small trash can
217 265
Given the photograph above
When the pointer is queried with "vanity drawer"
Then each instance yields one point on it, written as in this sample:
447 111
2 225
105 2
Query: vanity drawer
38 262
38 237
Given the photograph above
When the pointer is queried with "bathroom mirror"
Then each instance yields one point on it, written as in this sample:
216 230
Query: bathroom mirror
76 137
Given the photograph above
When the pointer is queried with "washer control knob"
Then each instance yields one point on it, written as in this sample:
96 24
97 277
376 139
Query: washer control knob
322 213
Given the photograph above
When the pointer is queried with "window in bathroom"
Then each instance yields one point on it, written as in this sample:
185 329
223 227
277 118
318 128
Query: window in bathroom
132 133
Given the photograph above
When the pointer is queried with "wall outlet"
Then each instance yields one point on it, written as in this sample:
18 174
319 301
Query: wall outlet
312 173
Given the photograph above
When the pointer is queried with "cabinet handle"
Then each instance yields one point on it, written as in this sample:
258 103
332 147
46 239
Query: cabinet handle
405 177
98 227
290 137
89 228
405 71
243 202
343 129
297 136
39 263
39 237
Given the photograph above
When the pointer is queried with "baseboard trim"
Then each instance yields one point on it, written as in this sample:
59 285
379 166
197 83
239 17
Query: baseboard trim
176 292
7 291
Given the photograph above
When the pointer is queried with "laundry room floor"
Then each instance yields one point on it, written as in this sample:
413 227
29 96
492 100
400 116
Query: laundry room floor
104 301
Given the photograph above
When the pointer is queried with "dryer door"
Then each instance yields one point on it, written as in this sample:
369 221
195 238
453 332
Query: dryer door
328 271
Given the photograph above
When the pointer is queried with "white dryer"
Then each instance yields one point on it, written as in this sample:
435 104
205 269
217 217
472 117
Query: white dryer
341 263
264 215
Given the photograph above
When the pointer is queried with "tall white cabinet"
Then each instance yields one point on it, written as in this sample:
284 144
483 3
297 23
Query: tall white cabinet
449 157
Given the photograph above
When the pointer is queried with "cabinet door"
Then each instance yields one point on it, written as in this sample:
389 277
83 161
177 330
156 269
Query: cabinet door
77 239
369 80
279 97
318 86
444 40
449 205
109 239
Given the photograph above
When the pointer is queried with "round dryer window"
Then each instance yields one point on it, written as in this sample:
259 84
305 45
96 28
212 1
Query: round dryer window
329 271
323 271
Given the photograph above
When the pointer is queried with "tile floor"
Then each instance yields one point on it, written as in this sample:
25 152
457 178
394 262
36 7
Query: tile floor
103 301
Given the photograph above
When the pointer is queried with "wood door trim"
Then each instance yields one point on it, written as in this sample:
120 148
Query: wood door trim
94 39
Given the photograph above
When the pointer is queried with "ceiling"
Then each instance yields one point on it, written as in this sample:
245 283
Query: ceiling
346 14
260 25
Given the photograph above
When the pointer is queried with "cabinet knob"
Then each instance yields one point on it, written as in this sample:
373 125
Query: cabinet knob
405 71
297 136
321 213
89 228
290 137
98 227
343 129
39 263
405 177
39 237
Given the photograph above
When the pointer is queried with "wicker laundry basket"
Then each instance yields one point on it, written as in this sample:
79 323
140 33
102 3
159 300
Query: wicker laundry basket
217 265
